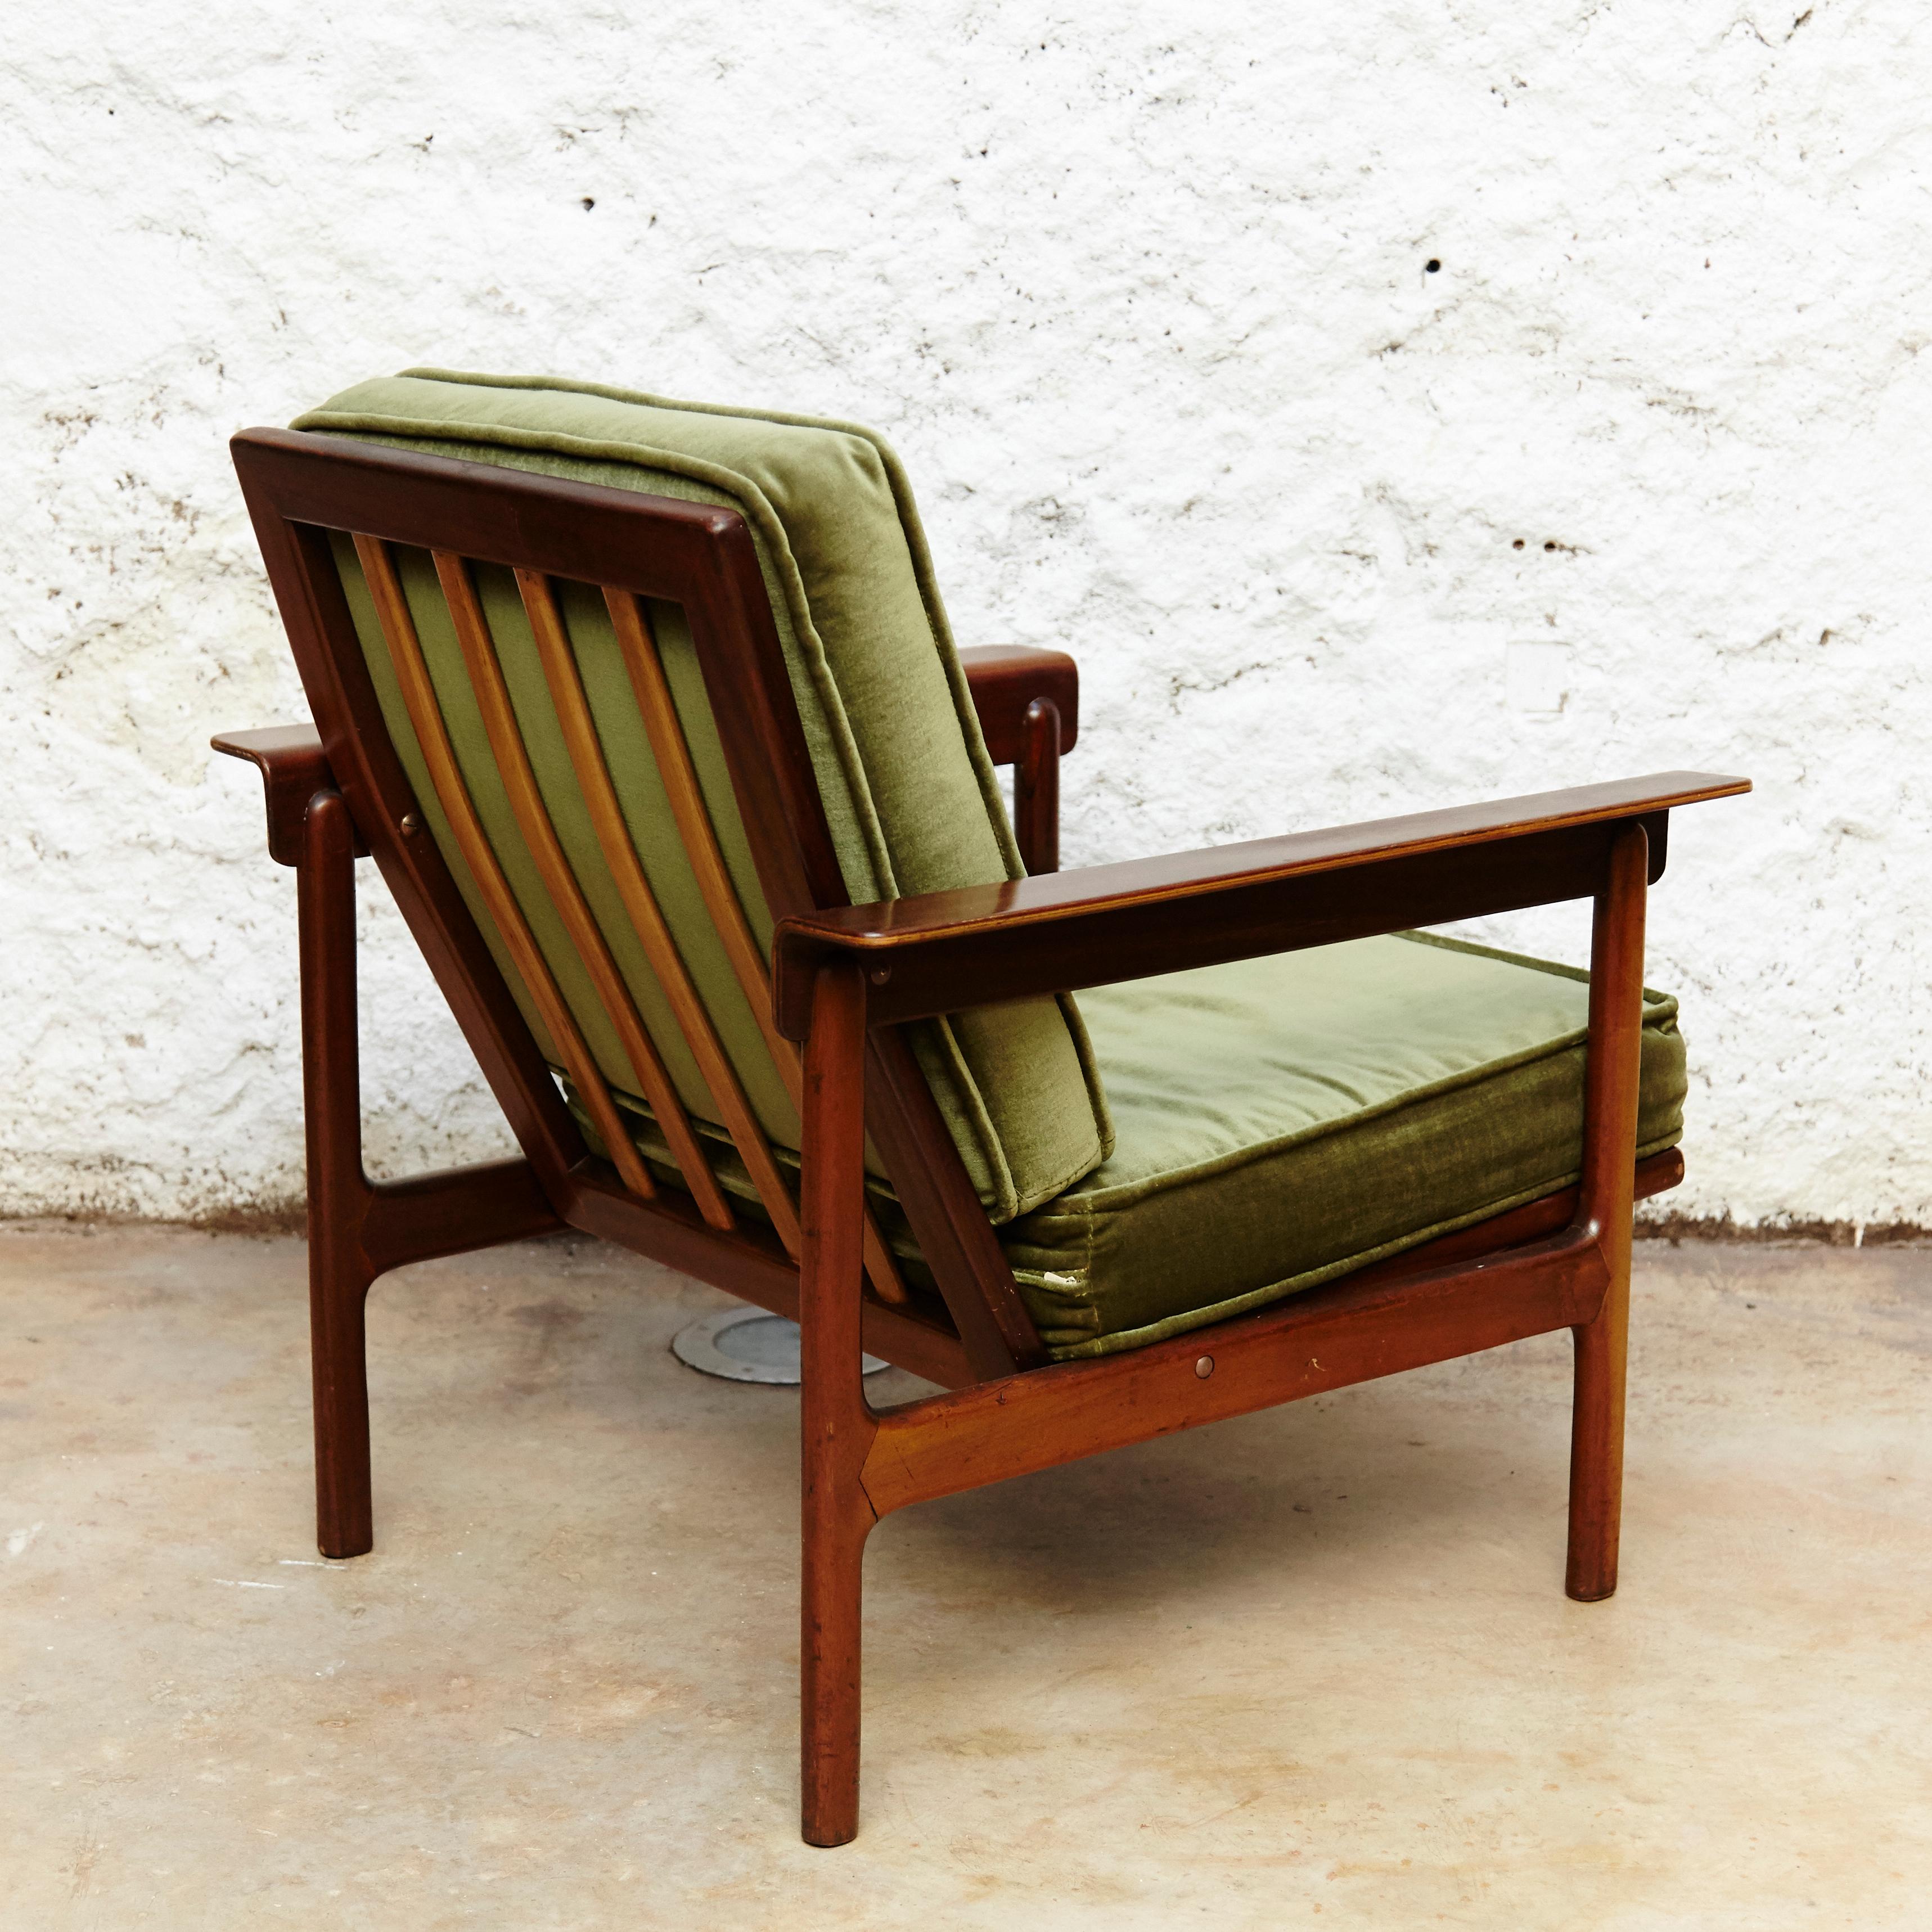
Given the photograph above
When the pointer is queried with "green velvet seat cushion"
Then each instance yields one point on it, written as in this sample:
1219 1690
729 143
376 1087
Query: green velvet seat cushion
1280 1121
909 793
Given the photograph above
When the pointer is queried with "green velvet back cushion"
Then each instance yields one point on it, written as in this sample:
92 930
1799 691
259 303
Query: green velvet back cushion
909 793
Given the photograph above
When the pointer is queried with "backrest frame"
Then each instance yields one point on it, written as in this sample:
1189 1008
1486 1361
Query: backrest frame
300 487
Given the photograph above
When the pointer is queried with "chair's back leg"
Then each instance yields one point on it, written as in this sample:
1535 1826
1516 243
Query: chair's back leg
837 1426
338 1191
1606 1203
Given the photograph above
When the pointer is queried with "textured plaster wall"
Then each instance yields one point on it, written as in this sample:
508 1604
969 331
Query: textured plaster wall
1638 478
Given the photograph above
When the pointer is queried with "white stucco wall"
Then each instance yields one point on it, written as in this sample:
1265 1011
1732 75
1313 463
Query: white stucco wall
1140 293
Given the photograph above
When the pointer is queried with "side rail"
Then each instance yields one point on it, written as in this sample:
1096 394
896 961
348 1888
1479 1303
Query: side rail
840 972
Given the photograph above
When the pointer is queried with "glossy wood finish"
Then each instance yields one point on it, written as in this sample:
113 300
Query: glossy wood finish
338 1277
369 775
1325 1339
940 951
849 980
297 487
1609 1122
837 1426
699 837
294 768
1037 789
1028 703
1005 679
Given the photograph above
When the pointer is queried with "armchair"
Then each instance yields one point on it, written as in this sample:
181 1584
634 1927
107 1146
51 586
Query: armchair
649 717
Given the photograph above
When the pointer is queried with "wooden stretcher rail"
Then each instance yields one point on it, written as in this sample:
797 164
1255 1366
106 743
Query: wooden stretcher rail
1327 1339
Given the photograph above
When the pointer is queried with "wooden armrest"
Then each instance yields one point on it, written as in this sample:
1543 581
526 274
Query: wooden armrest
294 768
1102 924
1005 678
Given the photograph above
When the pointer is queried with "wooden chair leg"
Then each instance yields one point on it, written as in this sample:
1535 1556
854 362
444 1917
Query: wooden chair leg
1597 1449
837 1424
1606 1203
338 1191
344 1511
833 1612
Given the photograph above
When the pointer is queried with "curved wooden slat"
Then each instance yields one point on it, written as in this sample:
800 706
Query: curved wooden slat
647 919
399 633
533 820
651 689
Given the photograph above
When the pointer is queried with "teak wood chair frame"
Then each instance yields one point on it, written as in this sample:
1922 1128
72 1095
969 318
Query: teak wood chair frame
844 981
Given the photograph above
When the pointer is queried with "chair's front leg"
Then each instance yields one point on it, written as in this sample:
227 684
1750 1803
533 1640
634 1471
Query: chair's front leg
339 1192
1606 1205
837 1424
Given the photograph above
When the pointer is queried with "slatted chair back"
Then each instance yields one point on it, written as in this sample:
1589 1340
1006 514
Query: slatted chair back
610 994
565 708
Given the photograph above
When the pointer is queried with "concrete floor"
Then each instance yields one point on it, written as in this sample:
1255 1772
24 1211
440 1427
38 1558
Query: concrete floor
1314 1666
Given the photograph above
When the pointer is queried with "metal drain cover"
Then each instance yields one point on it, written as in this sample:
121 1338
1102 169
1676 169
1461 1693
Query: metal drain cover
747 1345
